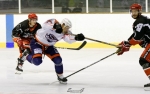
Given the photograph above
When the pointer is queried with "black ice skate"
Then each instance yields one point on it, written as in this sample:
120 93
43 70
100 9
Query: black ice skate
19 66
21 60
147 87
62 79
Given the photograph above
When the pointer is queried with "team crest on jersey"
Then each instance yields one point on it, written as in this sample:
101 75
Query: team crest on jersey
51 38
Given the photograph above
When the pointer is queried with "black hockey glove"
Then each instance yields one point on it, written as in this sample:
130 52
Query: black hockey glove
58 28
79 37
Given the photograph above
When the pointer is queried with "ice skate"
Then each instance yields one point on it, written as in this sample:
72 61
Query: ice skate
19 69
62 79
147 87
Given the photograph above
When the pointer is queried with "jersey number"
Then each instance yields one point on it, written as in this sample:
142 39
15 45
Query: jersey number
139 27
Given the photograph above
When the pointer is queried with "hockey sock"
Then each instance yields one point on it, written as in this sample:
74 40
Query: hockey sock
58 65
147 72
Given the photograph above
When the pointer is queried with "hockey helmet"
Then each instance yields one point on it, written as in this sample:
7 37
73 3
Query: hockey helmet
136 6
32 16
66 22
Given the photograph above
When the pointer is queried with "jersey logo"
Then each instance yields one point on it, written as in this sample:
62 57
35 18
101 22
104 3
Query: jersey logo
51 38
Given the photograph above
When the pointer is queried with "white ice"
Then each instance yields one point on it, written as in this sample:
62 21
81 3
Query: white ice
114 75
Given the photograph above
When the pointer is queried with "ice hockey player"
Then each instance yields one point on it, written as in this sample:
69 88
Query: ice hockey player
22 34
51 32
141 36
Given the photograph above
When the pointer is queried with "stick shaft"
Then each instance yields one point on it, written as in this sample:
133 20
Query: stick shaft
90 65
101 42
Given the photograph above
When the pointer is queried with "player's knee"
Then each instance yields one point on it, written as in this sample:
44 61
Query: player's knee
29 58
144 63
37 61
57 61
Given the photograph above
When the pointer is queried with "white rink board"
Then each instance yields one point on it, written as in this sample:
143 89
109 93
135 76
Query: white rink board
3 28
107 27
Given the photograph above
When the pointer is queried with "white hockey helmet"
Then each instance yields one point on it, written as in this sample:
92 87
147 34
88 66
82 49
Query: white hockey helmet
66 22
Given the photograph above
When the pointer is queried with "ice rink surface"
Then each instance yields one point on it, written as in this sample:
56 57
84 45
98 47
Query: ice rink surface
114 75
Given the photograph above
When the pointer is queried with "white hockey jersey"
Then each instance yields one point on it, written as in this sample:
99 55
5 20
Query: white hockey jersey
48 37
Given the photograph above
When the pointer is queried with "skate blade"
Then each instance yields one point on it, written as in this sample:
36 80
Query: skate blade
62 82
18 72
147 88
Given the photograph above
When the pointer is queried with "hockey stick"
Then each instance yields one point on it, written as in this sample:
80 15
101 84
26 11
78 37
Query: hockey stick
100 41
90 64
81 46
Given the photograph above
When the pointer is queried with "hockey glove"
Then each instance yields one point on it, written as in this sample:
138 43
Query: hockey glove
124 46
19 42
58 28
79 37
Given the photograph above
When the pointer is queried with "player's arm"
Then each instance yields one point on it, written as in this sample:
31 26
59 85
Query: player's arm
69 38
16 32
134 39
138 34
131 37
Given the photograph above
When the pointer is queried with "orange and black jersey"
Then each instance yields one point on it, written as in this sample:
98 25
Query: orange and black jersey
23 30
141 28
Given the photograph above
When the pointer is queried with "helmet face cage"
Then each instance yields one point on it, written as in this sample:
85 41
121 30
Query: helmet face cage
67 22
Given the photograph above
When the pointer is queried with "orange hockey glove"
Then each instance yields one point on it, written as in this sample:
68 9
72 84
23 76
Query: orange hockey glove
124 46
19 42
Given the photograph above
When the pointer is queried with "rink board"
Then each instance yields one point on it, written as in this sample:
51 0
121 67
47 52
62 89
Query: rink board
111 28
